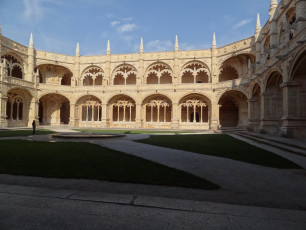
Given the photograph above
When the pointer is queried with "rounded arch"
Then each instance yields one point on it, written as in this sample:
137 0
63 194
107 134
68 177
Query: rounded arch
85 95
196 93
124 74
227 73
274 76
54 109
55 93
158 63
92 75
195 72
14 54
54 74
255 89
18 106
123 109
88 110
22 90
14 65
233 109
195 62
221 93
235 66
114 97
158 73
67 66
150 95
157 108
194 108
297 62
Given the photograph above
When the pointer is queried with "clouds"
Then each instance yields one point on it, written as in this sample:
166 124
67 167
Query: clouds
129 27
33 10
242 23
124 25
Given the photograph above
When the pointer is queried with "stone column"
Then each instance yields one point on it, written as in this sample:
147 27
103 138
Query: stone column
175 116
253 122
214 123
105 115
300 15
138 116
33 112
3 101
72 115
292 124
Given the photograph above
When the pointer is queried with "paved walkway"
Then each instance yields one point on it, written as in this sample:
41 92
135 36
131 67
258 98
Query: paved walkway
45 208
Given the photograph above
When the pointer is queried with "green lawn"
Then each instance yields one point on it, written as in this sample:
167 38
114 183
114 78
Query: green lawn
89 161
128 131
19 133
222 145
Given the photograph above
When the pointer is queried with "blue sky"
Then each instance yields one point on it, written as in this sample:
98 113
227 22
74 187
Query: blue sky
57 25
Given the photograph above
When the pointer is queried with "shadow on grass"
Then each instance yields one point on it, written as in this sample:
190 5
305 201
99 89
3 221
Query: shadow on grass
89 161
20 133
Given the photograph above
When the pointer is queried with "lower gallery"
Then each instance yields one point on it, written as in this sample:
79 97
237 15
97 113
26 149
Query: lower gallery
258 83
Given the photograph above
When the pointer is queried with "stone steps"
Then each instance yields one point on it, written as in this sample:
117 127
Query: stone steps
279 143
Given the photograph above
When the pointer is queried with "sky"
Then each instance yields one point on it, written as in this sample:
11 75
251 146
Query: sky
57 25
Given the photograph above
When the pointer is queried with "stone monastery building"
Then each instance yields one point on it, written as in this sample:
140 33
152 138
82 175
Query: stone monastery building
258 83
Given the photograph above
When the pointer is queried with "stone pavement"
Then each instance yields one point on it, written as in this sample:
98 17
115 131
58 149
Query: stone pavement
46 208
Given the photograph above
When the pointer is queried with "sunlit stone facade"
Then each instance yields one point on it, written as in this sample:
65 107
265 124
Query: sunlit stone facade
258 83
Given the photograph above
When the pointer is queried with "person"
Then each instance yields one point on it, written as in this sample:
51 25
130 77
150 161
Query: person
34 126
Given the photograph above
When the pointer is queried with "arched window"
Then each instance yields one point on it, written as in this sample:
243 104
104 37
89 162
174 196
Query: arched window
159 73
14 67
15 106
228 73
125 75
195 72
93 75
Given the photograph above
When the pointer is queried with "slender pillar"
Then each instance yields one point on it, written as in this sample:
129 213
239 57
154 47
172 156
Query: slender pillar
118 114
187 114
201 114
151 113
157 113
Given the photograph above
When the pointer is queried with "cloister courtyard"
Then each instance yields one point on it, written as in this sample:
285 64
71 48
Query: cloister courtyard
236 173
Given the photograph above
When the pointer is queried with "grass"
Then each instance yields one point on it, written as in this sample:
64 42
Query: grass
89 161
222 145
127 131
19 133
